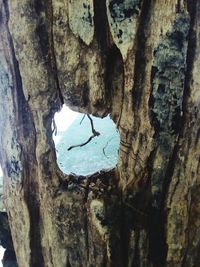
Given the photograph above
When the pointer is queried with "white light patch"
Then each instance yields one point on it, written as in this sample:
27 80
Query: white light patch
63 119
1 255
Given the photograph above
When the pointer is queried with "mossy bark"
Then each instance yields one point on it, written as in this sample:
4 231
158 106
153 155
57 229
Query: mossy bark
137 60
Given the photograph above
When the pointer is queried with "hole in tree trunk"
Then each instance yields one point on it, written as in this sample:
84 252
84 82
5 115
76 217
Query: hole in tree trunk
76 151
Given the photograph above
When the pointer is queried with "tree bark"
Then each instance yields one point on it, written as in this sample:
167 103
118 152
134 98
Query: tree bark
137 60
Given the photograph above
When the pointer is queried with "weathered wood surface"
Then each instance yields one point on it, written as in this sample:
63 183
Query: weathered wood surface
137 60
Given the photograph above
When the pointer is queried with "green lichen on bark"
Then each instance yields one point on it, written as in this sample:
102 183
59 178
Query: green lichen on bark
81 22
168 77
122 18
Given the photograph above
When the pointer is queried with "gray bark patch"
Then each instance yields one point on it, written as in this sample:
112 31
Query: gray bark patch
81 22
168 74
122 21
168 77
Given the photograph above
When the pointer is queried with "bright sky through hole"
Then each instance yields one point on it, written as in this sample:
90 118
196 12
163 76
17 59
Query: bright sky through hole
98 154
64 119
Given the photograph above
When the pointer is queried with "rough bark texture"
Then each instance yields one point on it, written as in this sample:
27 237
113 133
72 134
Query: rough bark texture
139 61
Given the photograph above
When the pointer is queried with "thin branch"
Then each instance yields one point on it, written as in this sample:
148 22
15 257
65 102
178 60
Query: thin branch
104 148
95 133
83 144
82 119
54 127
92 125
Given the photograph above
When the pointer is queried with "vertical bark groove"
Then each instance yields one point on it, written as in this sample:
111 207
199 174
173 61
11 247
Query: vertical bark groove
25 119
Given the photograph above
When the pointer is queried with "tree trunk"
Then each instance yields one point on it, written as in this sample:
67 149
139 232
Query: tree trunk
139 61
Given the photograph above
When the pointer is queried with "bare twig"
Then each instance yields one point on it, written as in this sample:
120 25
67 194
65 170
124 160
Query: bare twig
95 133
54 127
104 148
92 125
83 144
82 119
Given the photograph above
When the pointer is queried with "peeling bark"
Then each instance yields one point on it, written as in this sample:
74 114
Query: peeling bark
137 60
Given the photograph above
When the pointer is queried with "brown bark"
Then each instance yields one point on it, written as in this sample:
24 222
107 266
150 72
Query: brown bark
139 61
